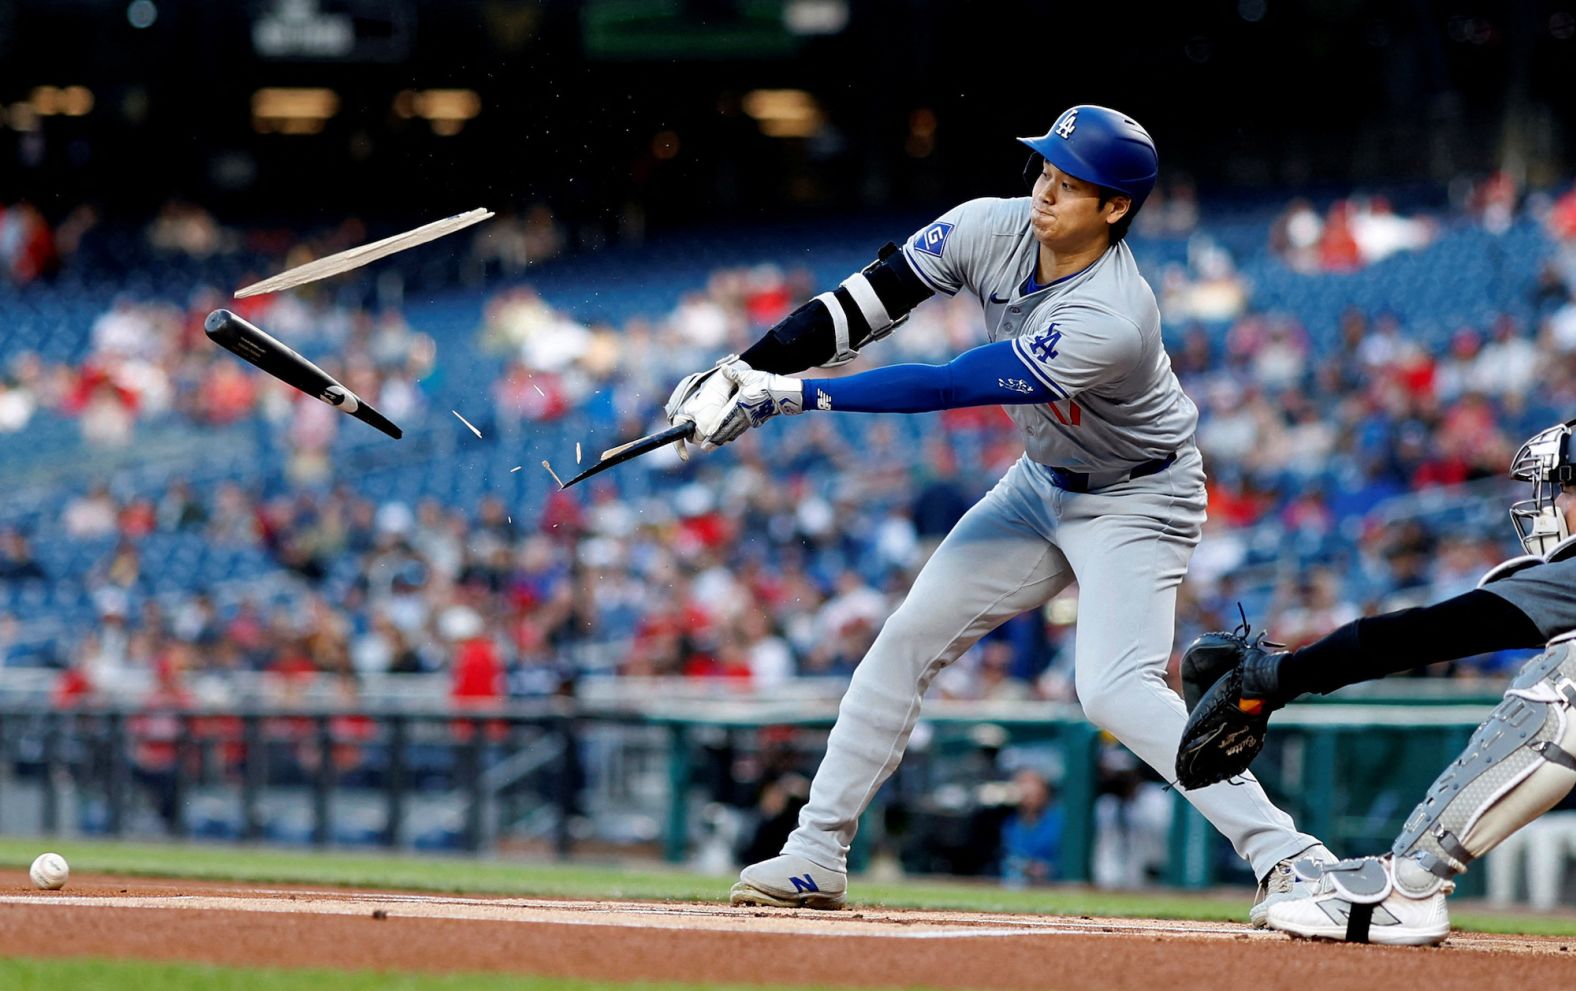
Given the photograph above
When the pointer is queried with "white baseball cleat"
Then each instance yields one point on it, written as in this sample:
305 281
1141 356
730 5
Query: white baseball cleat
790 882
1360 901
1293 878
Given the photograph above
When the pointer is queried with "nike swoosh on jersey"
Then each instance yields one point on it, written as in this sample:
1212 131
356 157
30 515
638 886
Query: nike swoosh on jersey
998 302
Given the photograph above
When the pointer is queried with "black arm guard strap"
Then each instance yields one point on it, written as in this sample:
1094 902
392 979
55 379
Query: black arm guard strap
809 335
1478 622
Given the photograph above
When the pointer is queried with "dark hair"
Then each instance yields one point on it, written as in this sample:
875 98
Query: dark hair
1119 229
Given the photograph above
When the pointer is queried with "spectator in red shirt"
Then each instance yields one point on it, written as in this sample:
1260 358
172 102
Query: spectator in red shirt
72 688
227 394
27 245
1338 251
157 731
477 676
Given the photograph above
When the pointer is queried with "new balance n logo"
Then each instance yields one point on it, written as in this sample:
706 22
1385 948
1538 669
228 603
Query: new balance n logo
803 885
1340 913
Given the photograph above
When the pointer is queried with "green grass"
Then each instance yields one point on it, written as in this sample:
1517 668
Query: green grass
253 865
261 865
465 875
104 975
1513 923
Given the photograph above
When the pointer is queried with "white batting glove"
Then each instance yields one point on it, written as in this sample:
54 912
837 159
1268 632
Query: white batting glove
699 394
758 397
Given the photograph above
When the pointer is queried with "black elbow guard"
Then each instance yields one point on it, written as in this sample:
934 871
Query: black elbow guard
831 328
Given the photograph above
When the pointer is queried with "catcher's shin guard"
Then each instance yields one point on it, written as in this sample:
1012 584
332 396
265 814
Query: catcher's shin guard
1517 766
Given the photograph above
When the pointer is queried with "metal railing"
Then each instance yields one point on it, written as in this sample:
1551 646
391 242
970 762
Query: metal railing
105 754
475 777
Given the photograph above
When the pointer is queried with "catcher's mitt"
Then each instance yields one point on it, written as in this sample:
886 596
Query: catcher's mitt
1228 683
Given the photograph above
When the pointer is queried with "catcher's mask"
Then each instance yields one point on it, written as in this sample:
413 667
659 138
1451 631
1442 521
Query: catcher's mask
1548 461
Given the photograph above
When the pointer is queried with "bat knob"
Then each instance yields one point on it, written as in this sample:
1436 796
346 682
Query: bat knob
217 322
338 395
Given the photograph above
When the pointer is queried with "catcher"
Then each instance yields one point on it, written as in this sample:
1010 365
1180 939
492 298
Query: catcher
1520 763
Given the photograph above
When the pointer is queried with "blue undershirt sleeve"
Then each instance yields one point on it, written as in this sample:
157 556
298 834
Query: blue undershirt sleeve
989 375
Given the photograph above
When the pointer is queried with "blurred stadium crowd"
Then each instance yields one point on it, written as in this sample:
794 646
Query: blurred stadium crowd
1362 376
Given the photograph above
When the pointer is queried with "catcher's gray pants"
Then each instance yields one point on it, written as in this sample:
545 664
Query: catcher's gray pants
1127 546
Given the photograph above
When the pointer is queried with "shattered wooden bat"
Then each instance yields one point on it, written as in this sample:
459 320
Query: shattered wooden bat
256 346
627 452
354 258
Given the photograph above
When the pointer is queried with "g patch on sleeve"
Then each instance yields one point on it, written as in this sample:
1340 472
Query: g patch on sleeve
933 239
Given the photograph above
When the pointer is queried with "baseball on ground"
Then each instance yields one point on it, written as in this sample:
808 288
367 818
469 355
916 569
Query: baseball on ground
50 871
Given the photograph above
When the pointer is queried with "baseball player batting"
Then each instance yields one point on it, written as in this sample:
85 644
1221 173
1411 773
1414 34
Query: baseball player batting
1109 494
1519 764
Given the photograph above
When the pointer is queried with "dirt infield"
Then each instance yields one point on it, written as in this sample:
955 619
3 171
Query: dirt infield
864 947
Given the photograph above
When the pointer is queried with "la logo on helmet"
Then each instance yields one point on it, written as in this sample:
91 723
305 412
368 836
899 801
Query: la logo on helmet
1068 123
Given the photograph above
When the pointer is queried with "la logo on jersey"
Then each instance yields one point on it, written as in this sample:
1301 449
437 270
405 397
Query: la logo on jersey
1043 344
933 239
1067 124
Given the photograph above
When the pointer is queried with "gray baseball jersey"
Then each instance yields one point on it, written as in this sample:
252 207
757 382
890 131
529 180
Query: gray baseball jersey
1542 587
1092 338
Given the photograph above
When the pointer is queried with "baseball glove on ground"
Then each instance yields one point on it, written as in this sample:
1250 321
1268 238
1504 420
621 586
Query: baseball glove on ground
1228 682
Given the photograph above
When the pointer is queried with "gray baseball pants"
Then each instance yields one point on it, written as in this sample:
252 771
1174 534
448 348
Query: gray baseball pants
1127 546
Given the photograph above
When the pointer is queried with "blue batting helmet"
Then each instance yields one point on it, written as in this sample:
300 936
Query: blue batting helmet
1102 146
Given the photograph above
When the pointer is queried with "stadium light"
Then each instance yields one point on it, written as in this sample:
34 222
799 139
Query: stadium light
76 101
784 113
287 110
68 101
446 110
815 16
22 117
141 14
665 145
45 100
